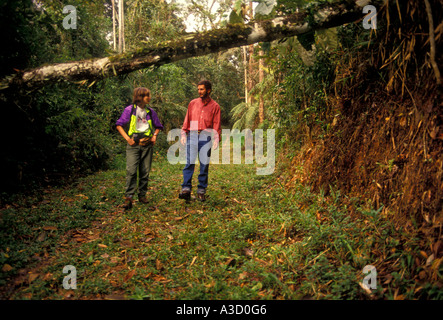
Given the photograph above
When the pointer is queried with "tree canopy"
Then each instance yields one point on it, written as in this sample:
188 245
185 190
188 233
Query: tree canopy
316 17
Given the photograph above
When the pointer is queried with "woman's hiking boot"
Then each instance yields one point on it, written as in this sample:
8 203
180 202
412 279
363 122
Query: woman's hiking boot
128 203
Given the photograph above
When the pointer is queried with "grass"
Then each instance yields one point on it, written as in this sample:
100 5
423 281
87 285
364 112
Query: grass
254 238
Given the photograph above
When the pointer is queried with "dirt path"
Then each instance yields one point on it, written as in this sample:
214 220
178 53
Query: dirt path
254 238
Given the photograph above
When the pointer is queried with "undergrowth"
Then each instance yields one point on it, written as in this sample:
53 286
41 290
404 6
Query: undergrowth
256 237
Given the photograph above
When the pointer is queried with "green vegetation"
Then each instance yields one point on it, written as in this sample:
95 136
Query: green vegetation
251 240
357 116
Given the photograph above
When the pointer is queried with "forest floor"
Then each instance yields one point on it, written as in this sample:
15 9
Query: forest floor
254 238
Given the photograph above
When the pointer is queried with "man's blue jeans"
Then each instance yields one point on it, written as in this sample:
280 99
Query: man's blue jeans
197 144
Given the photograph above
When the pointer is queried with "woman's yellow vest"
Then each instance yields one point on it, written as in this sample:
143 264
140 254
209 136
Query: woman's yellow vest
133 123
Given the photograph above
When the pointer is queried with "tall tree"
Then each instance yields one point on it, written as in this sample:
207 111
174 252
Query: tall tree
251 61
114 36
121 26
261 72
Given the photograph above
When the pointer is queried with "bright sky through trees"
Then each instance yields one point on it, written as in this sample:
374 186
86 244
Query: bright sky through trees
191 21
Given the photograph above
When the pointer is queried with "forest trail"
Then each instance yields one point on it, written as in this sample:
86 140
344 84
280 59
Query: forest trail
254 238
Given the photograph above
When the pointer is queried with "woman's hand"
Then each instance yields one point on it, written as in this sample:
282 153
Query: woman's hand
131 142
146 141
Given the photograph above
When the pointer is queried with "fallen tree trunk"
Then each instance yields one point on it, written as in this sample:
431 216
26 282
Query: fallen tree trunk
324 16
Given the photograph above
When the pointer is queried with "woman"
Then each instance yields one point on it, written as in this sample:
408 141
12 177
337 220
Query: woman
144 127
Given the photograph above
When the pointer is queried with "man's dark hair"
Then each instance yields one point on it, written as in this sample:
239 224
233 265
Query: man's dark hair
206 83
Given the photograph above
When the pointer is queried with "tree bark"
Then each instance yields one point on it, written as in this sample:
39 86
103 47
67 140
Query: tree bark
261 77
326 16
114 38
251 62
121 27
245 63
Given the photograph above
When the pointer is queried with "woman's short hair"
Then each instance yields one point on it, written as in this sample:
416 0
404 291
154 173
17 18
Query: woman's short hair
140 93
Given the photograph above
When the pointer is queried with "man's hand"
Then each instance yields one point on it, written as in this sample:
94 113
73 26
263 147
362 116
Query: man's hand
215 144
183 140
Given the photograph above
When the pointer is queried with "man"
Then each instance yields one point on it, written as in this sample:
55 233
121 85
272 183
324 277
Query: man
202 120
144 127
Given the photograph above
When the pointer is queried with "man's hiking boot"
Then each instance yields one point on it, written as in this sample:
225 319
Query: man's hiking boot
201 194
185 194
128 203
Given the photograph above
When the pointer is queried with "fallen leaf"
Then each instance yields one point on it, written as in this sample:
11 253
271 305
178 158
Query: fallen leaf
130 275
102 245
248 252
69 294
161 279
211 284
115 259
148 239
158 265
235 200
193 260
365 288
434 133
49 228
263 261
181 218
127 243
429 260
6 268
47 276
32 277
242 275
41 237
388 279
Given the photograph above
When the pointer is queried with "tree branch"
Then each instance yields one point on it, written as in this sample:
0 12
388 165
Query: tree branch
325 16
